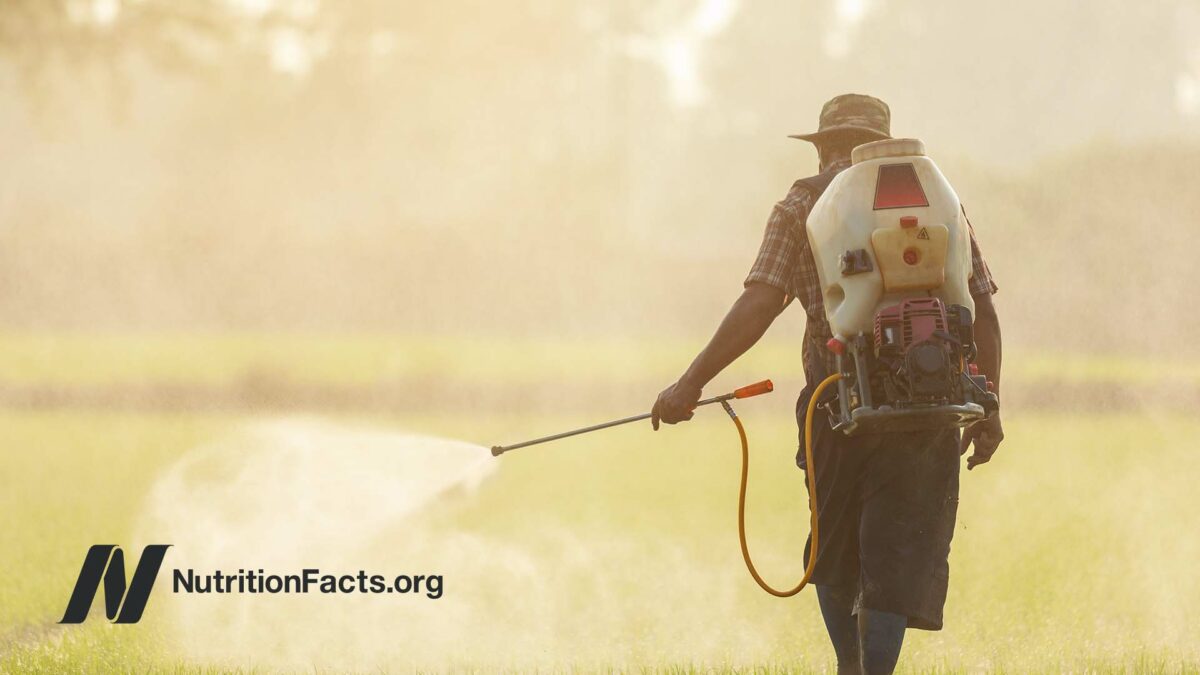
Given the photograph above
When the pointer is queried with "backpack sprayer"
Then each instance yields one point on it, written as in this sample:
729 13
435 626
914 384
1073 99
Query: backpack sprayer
893 253
892 247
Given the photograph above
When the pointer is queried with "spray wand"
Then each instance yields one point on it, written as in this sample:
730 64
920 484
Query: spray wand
745 392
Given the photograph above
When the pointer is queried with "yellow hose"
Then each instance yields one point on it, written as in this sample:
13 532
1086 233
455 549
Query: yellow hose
812 494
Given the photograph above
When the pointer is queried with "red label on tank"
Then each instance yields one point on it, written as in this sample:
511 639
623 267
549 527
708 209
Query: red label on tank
897 186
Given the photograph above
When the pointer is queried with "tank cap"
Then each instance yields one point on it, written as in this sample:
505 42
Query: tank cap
892 147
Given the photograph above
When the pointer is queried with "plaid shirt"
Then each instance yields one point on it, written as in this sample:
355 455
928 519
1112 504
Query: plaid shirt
785 261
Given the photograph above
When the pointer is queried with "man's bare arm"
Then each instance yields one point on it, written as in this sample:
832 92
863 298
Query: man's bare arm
988 433
744 324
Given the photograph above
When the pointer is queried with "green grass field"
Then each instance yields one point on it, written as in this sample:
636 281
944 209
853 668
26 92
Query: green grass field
220 359
1075 549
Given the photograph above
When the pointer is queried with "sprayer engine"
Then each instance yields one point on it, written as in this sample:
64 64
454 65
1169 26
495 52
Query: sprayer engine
918 344
923 356
917 373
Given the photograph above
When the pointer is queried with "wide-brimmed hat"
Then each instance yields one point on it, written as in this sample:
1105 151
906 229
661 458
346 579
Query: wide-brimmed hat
852 113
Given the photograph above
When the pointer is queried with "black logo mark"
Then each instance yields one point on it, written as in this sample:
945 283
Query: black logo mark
121 604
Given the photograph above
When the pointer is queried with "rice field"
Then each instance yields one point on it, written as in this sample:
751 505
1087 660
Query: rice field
1074 551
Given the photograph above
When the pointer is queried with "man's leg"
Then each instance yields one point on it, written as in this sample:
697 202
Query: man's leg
881 635
837 608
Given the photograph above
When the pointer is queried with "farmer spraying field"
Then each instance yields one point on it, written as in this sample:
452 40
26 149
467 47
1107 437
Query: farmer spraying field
333 331
889 321
901 350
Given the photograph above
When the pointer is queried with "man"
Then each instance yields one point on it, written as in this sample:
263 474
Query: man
887 502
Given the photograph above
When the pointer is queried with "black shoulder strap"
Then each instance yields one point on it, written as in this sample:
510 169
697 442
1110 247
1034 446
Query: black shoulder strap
819 182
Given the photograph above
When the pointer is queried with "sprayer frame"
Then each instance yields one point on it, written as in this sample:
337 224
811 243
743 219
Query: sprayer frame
867 418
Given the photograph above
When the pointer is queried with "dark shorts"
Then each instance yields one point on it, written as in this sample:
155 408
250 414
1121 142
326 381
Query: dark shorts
887 504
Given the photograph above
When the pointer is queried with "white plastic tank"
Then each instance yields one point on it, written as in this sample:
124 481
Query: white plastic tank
895 209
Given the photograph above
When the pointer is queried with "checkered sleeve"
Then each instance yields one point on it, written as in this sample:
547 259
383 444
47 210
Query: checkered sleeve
981 282
779 255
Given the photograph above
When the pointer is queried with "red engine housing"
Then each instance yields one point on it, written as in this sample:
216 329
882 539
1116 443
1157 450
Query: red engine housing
910 322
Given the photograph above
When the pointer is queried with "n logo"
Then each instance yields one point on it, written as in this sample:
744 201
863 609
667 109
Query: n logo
121 604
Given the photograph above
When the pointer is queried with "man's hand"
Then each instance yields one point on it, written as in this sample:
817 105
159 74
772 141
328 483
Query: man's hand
676 403
986 434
